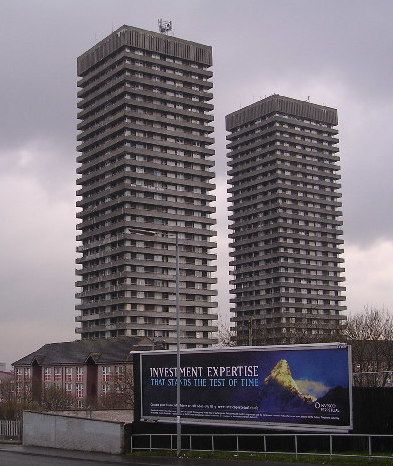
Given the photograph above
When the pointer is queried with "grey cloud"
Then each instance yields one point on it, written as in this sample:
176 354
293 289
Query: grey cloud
338 52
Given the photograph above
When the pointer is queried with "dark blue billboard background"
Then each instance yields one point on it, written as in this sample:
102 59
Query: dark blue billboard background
298 386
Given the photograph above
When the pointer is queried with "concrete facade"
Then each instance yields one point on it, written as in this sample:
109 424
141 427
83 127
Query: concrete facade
286 221
145 162
72 433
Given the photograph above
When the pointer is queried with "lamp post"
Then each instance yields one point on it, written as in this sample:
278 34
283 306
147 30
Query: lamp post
145 231
178 400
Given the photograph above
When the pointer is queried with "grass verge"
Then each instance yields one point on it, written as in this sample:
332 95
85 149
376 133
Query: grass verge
276 457
10 442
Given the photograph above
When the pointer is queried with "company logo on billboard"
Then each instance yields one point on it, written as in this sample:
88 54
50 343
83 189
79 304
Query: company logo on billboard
327 407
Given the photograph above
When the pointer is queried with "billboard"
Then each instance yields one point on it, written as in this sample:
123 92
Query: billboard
282 387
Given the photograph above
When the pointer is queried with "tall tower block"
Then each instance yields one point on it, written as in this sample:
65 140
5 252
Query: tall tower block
145 161
286 221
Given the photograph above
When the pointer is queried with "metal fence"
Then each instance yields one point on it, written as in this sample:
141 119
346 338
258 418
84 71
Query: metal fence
351 445
10 429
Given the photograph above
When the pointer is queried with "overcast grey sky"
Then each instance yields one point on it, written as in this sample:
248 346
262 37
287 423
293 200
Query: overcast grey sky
338 52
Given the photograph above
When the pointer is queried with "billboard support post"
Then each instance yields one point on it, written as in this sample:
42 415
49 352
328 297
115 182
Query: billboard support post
178 406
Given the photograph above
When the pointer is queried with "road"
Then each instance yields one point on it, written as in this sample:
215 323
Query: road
17 458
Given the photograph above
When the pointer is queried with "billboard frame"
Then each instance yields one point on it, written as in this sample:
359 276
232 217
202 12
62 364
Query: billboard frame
248 424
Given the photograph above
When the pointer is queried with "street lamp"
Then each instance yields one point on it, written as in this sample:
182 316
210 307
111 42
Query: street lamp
145 231
178 406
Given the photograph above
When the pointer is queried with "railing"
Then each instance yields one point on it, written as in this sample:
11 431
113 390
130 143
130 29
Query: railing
348 445
10 429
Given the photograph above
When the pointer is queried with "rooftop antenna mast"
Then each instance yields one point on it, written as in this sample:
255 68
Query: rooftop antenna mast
164 27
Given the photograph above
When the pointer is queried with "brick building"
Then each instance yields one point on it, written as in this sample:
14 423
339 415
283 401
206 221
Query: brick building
84 369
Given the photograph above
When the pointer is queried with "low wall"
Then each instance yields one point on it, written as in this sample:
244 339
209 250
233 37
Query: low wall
72 433
116 415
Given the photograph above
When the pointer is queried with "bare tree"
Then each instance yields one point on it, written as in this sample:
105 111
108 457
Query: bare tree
256 334
250 334
369 333
371 325
120 391
11 405
56 399
226 336
371 336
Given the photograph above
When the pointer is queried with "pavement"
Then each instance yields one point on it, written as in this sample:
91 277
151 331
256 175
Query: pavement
19 455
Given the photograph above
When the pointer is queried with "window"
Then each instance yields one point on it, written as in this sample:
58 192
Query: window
57 373
106 373
68 387
79 390
79 374
120 370
47 373
68 374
